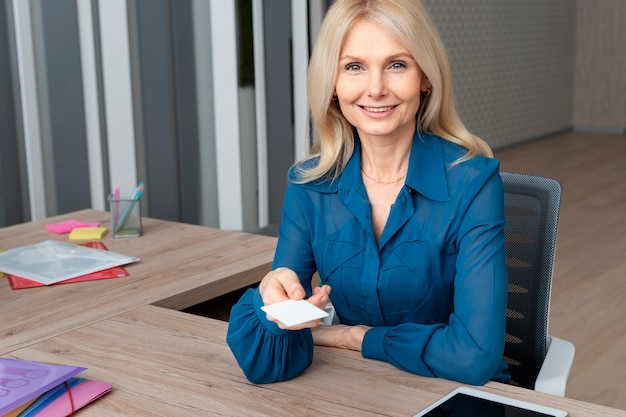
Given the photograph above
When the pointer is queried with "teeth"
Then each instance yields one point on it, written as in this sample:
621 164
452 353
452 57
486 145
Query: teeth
378 109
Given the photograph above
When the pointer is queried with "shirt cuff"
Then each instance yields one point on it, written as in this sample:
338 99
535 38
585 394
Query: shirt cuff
373 343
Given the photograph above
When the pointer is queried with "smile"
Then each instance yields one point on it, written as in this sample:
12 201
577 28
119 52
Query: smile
377 109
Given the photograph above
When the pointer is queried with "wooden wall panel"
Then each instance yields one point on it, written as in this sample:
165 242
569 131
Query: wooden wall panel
600 65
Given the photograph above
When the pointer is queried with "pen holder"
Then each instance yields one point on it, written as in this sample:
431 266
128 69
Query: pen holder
125 216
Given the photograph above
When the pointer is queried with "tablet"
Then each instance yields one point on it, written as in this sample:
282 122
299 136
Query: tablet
465 401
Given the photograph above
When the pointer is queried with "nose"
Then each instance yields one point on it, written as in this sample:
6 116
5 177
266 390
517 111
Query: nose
376 84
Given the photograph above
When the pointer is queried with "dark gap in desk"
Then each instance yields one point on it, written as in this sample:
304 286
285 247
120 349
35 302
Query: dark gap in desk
218 308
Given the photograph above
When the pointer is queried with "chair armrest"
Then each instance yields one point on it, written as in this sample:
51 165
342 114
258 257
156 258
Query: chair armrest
552 378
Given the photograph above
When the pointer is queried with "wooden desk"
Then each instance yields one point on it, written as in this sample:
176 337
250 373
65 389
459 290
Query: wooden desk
168 363
181 265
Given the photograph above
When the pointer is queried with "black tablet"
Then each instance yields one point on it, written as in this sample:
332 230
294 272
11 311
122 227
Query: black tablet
468 402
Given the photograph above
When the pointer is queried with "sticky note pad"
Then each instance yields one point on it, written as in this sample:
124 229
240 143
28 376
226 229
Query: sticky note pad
87 233
68 226
294 312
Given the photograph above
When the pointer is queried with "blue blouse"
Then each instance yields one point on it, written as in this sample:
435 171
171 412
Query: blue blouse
434 288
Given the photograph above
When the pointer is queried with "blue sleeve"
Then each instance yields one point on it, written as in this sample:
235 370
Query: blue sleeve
265 352
470 346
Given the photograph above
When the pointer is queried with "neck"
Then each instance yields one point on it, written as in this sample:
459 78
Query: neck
380 181
385 164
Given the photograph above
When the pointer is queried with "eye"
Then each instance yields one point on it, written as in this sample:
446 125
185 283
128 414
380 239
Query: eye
397 65
353 67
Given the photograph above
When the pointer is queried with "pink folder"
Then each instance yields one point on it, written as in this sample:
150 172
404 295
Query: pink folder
82 394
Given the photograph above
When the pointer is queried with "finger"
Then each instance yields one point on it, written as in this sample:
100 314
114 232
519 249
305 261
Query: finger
293 288
320 297
280 285
324 288
290 283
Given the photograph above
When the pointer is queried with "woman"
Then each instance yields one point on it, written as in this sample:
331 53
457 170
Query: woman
398 208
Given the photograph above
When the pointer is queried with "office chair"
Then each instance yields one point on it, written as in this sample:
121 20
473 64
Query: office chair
536 360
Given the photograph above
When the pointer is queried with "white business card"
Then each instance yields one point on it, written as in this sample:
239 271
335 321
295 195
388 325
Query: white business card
294 312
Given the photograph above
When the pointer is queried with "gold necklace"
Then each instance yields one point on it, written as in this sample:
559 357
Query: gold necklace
382 182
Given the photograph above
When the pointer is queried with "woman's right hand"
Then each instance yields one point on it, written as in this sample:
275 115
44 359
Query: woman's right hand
283 284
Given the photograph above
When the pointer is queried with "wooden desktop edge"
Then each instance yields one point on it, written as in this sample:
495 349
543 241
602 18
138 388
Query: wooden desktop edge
174 297
339 382
207 292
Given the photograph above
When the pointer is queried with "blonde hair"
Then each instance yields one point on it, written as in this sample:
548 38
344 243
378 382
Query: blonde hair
333 135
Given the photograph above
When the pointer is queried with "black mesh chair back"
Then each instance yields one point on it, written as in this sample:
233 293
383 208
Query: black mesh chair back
532 206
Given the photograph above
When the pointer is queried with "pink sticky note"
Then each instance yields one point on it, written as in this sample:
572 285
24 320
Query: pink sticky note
68 226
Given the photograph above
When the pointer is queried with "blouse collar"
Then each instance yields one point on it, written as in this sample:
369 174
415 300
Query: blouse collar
426 174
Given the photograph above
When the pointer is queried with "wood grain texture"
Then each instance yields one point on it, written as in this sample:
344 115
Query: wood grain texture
590 265
165 362
181 265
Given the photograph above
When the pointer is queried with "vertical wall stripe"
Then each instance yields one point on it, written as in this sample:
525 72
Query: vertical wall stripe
300 45
185 110
12 201
261 113
317 11
116 74
278 87
155 105
91 103
209 212
30 109
224 55
61 105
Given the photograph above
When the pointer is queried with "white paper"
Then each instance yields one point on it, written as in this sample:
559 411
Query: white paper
52 261
294 312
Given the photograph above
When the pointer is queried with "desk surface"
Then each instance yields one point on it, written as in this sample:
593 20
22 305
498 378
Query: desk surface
167 363
181 265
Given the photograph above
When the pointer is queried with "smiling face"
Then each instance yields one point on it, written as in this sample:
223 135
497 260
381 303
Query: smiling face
379 83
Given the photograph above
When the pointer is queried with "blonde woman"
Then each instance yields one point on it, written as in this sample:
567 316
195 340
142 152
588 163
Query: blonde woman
398 208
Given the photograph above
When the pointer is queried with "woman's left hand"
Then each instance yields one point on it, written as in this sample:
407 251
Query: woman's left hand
340 336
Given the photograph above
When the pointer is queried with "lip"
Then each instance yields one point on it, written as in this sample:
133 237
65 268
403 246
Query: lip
378 110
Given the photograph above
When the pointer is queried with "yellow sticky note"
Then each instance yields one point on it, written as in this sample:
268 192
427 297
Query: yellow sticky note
87 233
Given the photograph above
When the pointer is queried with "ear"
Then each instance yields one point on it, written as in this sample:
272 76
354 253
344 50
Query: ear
426 84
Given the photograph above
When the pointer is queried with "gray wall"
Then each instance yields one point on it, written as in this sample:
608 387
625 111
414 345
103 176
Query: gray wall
10 190
512 65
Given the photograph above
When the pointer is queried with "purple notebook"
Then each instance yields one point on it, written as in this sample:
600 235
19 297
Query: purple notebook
21 381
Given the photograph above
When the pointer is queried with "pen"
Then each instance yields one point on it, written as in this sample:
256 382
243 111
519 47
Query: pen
116 205
138 191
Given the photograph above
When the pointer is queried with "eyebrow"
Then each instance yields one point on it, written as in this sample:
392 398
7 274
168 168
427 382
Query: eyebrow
390 58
